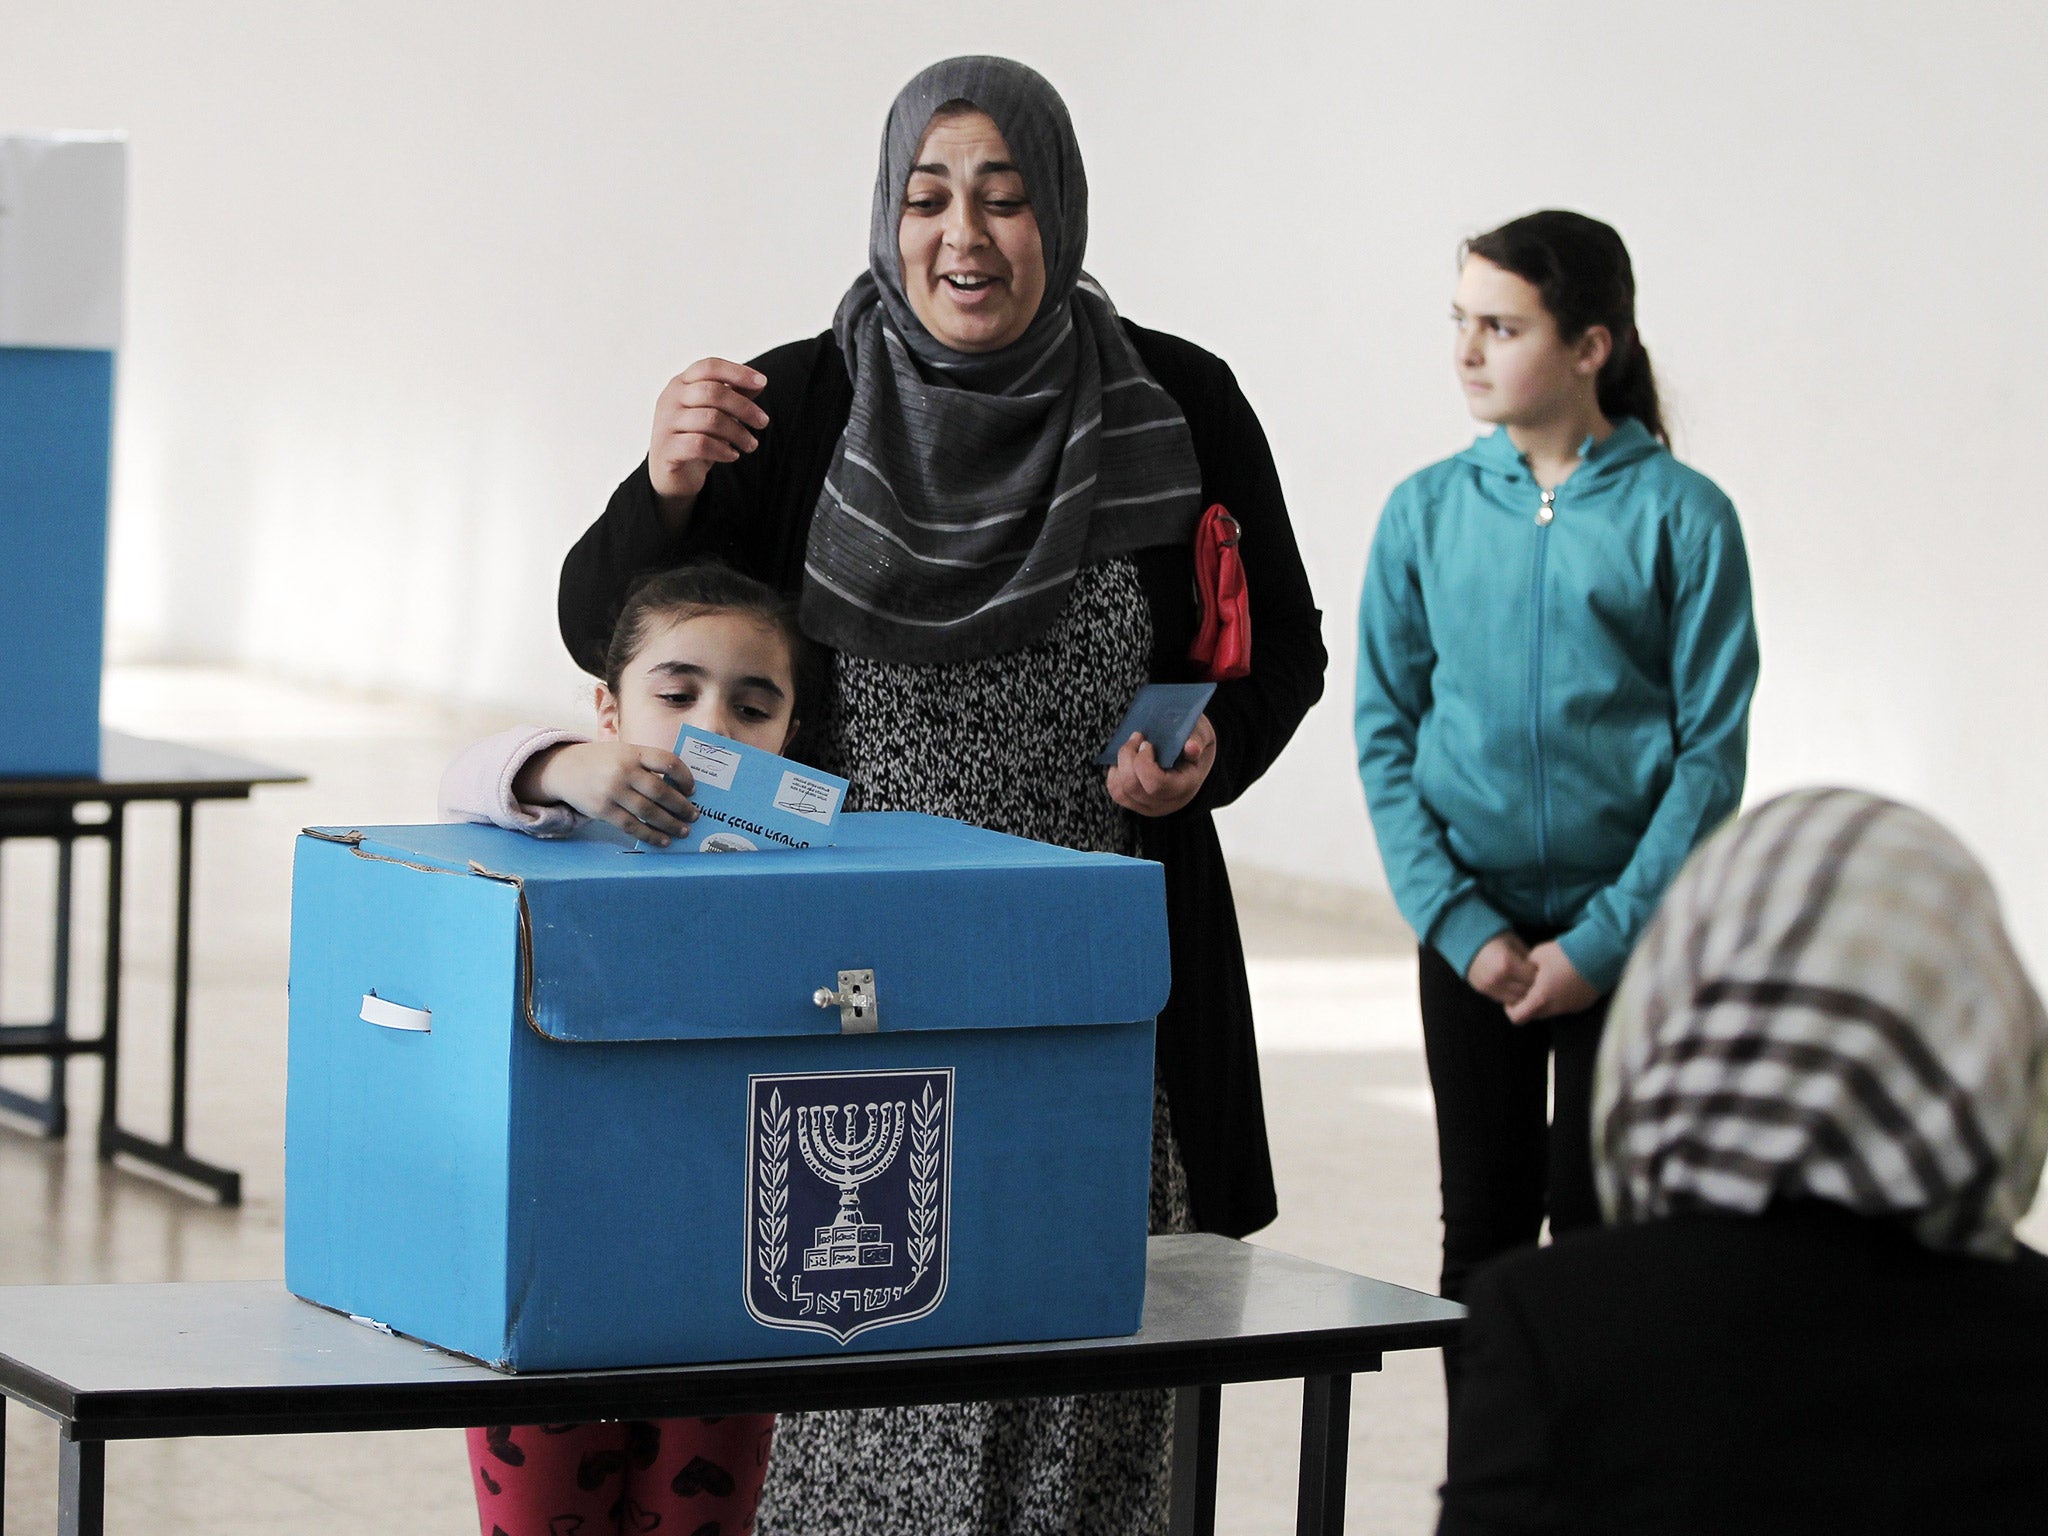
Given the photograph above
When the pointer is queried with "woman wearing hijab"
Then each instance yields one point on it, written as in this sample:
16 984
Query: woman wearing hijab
983 486
1822 1104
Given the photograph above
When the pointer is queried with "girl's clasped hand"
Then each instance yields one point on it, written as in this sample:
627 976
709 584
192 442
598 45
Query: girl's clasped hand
1529 981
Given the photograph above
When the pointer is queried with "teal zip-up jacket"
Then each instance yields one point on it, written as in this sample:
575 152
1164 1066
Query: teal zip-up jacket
1552 711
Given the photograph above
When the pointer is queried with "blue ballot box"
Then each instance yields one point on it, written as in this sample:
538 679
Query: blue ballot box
61 211
561 1105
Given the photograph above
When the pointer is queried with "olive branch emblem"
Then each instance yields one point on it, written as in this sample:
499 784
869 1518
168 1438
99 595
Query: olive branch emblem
772 1223
927 1115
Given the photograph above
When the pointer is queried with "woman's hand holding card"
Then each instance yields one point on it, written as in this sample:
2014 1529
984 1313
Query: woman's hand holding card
1138 783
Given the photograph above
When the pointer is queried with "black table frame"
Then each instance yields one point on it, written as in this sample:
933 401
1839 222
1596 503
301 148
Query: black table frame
1311 1321
134 769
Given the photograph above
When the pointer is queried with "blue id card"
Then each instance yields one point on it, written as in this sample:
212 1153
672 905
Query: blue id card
1164 714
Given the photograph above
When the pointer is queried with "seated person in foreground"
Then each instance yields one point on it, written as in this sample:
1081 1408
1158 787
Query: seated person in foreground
1821 1106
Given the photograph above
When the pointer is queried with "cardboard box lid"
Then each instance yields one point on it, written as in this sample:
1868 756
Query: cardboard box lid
963 928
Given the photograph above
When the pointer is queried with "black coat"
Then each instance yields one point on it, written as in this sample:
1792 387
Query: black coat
1805 1371
756 514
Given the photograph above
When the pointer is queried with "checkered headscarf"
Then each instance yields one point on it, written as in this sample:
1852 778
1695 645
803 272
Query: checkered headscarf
1827 1005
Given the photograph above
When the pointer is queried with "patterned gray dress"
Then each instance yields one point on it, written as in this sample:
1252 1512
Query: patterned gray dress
1005 743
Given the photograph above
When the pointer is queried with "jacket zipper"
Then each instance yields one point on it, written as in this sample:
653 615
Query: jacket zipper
1544 514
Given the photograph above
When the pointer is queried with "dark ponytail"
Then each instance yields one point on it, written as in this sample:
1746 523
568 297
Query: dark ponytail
1582 270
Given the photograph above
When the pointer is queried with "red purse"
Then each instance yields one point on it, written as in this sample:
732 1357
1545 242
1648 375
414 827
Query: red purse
1223 642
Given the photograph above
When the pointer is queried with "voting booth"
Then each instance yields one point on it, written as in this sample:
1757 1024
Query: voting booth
61 212
561 1104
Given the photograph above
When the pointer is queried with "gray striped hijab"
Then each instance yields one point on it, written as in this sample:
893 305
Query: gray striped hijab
967 491
1827 1005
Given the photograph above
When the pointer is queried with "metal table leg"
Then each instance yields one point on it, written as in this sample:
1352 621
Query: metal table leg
1197 1412
169 1155
60 991
3 1464
181 975
1325 1447
48 1111
110 1021
81 1486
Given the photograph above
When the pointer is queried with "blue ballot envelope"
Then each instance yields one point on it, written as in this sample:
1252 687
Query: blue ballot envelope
555 1105
748 799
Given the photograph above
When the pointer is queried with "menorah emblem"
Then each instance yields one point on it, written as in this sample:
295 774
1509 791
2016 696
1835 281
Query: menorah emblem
848 1157
846 1154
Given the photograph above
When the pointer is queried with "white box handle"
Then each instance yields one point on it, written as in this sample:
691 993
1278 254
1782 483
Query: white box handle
377 1010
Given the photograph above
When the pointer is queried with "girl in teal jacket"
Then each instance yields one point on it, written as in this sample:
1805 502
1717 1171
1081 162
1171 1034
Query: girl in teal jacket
1556 657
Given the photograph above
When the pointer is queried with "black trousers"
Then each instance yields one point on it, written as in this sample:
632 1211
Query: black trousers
1509 1156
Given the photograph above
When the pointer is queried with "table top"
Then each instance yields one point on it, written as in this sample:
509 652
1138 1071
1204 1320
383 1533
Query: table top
246 1357
140 768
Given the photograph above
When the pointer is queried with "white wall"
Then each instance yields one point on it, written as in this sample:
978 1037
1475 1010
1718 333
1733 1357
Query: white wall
405 280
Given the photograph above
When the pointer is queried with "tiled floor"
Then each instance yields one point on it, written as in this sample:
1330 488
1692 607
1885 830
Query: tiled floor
1347 1102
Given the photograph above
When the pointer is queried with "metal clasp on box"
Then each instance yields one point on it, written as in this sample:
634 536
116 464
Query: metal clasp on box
855 1000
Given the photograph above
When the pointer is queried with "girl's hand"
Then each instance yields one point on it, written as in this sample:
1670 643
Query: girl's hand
1501 970
705 416
640 790
1138 783
1558 988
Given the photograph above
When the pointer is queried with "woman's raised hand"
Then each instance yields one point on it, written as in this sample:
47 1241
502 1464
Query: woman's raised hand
706 415
641 790
1138 783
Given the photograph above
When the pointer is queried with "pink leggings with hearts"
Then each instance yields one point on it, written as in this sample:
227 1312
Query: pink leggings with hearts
680 1477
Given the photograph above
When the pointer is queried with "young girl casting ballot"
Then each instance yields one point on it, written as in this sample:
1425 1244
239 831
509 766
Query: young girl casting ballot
1556 657
701 646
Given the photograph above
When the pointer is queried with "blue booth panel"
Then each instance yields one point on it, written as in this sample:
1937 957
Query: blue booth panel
56 430
561 1105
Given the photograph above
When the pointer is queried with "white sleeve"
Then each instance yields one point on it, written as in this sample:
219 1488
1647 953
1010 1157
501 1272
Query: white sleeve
478 784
